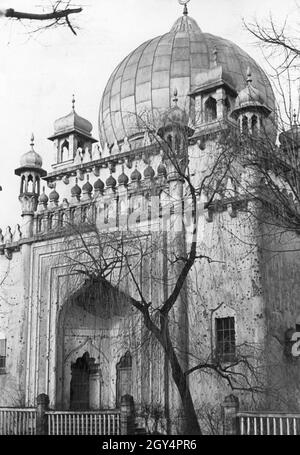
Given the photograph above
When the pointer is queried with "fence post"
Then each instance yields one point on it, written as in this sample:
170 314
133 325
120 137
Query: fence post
127 415
41 417
230 419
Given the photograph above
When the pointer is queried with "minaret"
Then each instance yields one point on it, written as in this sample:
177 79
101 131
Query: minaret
31 172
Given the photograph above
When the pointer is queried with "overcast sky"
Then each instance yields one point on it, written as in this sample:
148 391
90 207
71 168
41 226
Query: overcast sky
40 72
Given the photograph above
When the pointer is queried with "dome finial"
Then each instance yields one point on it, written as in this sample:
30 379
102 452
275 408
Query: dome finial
73 102
175 94
32 141
295 117
184 2
249 75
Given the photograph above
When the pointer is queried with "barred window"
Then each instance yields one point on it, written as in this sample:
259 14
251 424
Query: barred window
2 355
225 339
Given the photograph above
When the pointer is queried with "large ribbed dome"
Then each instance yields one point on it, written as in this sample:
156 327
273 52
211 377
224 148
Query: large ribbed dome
144 82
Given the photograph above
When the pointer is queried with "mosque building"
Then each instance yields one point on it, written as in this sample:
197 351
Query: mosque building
81 342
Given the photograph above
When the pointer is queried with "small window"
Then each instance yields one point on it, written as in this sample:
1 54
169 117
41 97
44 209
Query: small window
2 355
225 339
254 125
244 125
64 156
210 109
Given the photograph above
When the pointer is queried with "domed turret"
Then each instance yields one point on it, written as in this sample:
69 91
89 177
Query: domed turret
87 187
31 172
249 97
161 170
111 182
31 160
72 122
99 185
71 133
76 190
123 178
250 108
54 197
136 176
149 172
43 199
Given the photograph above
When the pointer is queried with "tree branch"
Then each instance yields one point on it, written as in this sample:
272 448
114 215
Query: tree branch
11 13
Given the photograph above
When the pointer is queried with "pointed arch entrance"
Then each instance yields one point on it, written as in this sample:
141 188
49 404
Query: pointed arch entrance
79 388
85 386
94 323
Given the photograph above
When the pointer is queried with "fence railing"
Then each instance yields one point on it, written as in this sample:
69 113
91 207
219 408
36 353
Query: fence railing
257 423
253 423
84 423
18 421
43 421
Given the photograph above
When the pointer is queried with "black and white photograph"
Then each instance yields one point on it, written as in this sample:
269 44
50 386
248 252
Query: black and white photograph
149 220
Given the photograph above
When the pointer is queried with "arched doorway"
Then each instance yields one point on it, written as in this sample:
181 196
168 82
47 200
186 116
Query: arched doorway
85 387
124 378
80 384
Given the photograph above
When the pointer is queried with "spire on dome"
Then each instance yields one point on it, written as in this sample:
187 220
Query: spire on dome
185 23
184 2
72 123
295 117
175 99
249 75
32 141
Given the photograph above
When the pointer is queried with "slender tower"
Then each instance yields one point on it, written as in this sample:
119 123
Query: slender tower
30 172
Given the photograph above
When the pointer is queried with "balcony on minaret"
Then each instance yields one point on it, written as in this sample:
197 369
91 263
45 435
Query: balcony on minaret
72 139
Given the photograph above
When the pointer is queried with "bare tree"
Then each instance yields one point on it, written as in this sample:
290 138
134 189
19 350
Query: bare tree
59 15
116 256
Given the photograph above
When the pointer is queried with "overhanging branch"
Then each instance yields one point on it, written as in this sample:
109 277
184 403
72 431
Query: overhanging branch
11 13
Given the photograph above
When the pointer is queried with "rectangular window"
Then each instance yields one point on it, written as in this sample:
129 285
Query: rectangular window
2 356
225 339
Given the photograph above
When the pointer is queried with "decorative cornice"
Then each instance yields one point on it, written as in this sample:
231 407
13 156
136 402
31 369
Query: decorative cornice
125 157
